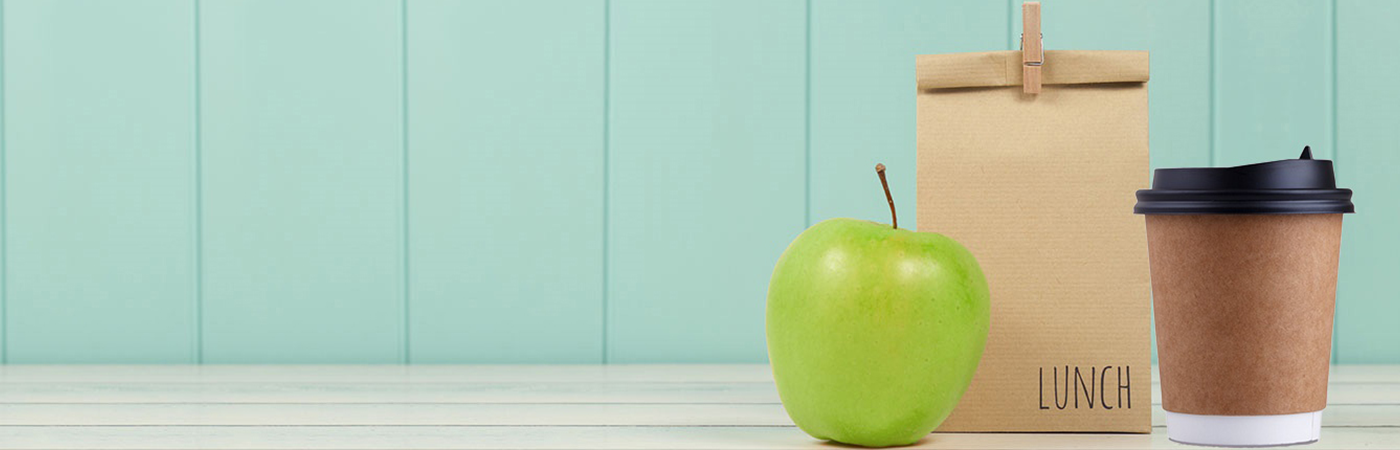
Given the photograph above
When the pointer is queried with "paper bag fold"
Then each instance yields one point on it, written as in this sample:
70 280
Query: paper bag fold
992 69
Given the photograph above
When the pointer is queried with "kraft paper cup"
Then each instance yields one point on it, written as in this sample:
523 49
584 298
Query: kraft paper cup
1244 276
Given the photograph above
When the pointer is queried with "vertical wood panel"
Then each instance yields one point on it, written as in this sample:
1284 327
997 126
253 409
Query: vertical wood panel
4 190
1368 161
506 180
99 184
1273 80
302 170
862 95
1089 24
1179 92
707 173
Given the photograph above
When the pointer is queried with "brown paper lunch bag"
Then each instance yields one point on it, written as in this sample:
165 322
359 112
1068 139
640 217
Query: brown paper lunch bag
1040 188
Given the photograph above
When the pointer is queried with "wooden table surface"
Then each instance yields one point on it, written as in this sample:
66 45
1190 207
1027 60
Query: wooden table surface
506 407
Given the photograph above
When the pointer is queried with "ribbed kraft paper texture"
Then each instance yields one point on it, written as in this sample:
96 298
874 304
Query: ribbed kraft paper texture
992 69
1040 189
1244 310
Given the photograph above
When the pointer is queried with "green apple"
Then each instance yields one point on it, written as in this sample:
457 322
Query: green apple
874 332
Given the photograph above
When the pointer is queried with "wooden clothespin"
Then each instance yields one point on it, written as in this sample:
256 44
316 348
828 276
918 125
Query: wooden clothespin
1032 47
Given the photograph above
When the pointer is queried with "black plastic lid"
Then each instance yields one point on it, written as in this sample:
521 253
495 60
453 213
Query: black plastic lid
1291 186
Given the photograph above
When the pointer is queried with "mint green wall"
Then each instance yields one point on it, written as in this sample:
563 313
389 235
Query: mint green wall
437 181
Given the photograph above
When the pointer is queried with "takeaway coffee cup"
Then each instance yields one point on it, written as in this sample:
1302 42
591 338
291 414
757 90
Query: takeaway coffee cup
1244 277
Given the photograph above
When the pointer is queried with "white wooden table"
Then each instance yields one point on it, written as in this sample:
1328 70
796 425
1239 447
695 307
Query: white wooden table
505 407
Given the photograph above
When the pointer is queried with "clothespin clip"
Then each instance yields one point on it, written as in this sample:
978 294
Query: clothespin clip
1032 47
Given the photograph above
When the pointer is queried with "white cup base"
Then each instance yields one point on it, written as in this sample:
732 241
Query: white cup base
1244 431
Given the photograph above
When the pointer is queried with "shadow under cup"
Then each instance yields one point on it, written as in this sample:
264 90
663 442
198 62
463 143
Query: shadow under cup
1244 280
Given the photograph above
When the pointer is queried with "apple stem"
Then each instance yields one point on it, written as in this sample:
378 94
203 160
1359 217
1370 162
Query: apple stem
880 170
